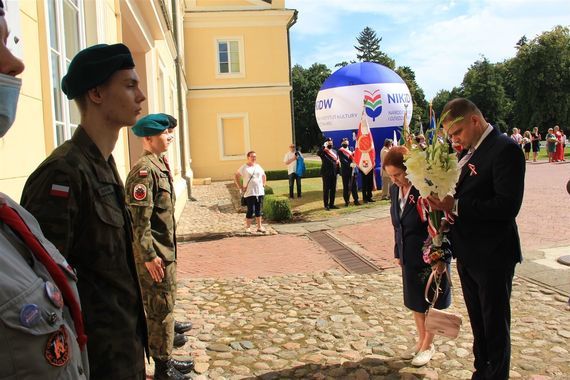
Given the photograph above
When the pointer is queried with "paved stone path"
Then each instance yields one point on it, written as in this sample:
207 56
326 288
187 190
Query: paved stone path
278 307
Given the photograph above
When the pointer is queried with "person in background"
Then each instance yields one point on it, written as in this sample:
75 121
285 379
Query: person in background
484 237
151 197
516 136
535 143
563 144
290 160
526 143
348 174
329 171
78 197
250 180
386 181
559 152
42 335
551 142
410 233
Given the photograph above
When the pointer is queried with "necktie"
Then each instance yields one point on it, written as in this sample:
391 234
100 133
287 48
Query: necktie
465 159
9 216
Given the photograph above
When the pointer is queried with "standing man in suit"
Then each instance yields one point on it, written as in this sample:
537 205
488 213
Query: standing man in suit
329 171
348 173
485 237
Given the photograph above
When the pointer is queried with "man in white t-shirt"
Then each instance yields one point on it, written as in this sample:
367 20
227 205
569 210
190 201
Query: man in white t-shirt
290 160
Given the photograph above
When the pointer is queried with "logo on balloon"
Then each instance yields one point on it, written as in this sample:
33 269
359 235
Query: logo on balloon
373 103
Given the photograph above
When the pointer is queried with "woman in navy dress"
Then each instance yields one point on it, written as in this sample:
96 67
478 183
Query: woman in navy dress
410 234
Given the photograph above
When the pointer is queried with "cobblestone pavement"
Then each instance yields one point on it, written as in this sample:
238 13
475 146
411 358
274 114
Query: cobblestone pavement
278 307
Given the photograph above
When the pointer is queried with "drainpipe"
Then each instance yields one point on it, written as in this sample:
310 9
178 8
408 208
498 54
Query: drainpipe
291 22
179 95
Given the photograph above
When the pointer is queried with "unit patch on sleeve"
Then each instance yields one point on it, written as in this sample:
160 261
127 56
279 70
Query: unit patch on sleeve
143 173
139 192
57 348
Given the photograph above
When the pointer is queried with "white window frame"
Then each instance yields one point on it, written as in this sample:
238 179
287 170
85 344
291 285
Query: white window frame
62 65
220 123
241 47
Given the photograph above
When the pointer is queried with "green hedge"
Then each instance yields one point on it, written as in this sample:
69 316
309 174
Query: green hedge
276 208
268 190
273 175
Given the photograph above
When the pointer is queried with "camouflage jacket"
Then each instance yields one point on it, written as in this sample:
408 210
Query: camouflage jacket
77 197
151 198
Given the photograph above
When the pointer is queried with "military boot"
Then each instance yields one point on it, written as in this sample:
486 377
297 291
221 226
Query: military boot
182 327
164 370
179 340
184 366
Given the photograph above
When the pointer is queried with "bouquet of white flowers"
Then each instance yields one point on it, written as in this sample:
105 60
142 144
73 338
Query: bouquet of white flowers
433 170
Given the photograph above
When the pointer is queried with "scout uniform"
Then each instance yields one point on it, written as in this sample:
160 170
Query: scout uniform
77 197
151 198
38 337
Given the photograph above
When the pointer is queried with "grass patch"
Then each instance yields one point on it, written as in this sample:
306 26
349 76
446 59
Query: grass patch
543 154
310 206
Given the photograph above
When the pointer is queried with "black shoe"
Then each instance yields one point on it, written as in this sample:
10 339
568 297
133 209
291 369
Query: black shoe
182 327
291 197
371 200
179 340
164 370
333 207
298 195
357 203
345 204
183 366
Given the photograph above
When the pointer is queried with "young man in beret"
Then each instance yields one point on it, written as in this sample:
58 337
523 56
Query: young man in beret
41 330
78 198
151 198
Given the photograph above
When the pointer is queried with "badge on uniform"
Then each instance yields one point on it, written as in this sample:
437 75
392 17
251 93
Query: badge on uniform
139 192
143 173
59 191
57 348
68 270
30 315
54 294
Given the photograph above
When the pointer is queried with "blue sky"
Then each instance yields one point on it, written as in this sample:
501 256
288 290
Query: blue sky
439 40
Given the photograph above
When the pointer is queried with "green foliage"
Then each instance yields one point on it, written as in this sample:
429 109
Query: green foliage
268 189
306 85
369 49
311 171
276 208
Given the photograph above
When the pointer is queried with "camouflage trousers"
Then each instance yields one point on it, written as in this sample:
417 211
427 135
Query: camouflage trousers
159 299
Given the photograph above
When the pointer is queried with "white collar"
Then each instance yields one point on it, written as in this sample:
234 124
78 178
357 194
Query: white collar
485 134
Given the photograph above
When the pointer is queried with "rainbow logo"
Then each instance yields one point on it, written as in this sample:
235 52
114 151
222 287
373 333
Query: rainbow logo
373 103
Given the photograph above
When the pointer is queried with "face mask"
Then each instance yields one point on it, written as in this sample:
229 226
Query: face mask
9 93
329 146
345 145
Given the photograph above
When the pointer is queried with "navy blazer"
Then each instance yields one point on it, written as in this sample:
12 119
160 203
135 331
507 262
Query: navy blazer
410 232
490 193
329 166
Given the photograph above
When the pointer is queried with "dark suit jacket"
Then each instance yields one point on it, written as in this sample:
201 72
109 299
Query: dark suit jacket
409 231
485 232
345 162
329 166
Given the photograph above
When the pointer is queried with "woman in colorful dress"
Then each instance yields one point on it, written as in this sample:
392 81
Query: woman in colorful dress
551 142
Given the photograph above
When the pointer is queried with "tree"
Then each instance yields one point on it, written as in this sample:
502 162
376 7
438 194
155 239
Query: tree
483 85
306 85
418 97
369 49
542 71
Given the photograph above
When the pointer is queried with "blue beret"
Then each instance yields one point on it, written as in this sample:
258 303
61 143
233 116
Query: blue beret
93 66
153 124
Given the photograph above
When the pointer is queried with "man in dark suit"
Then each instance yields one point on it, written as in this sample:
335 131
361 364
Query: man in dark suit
485 238
348 173
329 171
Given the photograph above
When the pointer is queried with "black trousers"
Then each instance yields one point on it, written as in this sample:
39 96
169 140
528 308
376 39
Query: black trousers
329 189
487 294
293 177
348 187
367 185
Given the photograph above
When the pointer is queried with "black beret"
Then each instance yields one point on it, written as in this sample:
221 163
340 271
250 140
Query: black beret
93 66
153 124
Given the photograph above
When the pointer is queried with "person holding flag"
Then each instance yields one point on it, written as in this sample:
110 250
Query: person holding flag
365 158
348 173
329 171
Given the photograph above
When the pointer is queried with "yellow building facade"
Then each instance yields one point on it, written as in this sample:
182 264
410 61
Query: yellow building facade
224 108
239 99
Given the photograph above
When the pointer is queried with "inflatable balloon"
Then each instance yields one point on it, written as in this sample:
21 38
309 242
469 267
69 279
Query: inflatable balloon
383 94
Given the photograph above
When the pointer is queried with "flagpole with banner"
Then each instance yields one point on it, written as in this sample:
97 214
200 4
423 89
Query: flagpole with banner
364 153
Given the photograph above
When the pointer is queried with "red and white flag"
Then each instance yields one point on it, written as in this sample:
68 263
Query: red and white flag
364 153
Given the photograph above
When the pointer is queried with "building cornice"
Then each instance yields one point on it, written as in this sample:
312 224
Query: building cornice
231 92
237 18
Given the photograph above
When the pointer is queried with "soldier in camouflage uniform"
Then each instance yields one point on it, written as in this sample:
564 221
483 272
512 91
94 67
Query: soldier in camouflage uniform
151 198
78 198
